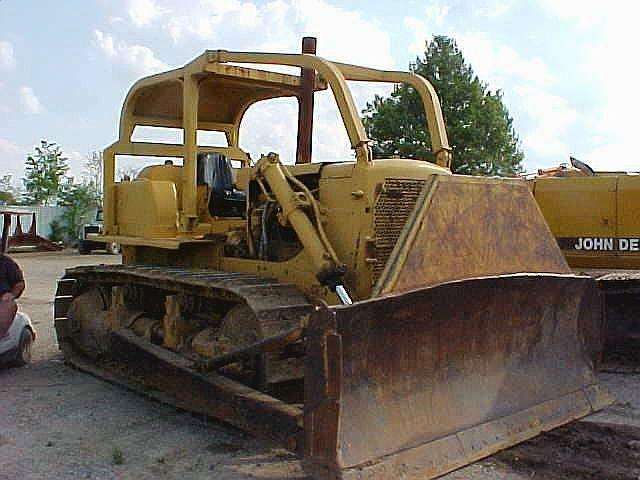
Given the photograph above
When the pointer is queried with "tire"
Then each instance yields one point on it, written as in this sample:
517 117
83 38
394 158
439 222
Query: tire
84 247
24 348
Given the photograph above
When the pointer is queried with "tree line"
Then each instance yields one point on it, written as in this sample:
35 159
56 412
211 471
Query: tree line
47 182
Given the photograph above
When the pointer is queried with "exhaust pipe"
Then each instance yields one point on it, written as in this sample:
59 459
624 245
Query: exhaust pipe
305 104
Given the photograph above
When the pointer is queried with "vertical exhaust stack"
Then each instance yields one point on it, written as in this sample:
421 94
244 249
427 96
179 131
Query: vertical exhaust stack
305 104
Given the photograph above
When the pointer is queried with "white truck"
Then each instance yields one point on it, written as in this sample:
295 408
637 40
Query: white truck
86 244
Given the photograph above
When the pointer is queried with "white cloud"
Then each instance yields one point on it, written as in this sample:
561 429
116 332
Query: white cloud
495 9
498 63
280 115
138 59
423 27
105 42
76 162
205 17
9 148
344 35
12 158
437 12
607 63
29 100
7 59
278 25
144 12
584 12
3 107
542 118
420 34
551 116
437 15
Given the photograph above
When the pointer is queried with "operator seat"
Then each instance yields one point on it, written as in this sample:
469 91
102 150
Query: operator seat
214 170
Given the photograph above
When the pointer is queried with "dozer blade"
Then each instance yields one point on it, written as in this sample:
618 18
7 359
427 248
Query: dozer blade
416 384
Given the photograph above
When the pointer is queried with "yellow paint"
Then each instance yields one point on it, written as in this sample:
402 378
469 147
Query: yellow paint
604 206
162 216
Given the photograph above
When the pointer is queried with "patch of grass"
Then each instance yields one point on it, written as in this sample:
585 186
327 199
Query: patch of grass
117 457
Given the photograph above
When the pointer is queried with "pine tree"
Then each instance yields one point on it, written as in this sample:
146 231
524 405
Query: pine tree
479 127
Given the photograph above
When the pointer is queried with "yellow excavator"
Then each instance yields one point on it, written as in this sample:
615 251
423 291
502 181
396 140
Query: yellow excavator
595 217
382 318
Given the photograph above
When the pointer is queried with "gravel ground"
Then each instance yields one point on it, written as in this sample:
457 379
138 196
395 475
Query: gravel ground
58 423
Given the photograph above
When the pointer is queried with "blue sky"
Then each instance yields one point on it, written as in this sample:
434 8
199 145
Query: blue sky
567 68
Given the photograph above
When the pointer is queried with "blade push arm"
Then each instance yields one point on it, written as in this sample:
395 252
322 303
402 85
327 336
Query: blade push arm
329 270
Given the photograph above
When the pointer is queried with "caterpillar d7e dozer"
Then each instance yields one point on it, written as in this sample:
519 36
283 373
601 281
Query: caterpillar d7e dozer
595 217
383 318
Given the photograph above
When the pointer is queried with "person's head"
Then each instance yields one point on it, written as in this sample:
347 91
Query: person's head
168 162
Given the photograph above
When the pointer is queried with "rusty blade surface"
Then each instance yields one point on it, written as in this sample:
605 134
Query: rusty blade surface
418 384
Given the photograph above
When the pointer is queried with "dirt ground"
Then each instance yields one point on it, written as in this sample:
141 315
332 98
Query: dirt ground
57 423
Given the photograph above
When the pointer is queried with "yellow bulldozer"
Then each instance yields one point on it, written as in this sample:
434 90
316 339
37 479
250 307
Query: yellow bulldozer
595 217
383 318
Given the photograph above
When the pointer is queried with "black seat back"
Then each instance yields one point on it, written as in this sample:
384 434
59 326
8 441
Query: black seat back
214 169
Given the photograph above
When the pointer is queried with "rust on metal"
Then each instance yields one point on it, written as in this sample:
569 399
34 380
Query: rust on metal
305 105
418 378
394 205
421 383
21 239
620 293
467 227
172 379
268 345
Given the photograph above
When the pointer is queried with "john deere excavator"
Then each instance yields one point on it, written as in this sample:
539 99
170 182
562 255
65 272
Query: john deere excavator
595 217
382 318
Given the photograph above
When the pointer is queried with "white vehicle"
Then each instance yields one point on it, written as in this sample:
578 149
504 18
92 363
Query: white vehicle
15 345
86 245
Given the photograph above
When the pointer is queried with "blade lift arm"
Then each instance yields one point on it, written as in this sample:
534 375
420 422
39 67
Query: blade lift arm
329 269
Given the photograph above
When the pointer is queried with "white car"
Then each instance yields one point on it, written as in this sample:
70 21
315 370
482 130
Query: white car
15 345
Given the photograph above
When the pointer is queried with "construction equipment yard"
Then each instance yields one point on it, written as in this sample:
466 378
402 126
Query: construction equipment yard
60 423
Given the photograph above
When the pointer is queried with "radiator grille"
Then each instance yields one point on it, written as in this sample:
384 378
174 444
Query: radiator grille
391 212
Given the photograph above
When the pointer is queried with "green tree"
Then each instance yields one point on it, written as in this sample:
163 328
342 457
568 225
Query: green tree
7 190
79 201
44 173
479 127
93 171
57 232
